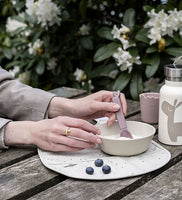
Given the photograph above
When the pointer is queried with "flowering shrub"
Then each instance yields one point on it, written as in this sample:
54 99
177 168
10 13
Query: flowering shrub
115 45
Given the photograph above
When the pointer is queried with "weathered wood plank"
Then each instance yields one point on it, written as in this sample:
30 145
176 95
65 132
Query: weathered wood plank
68 92
15 154
167 185
132 107
23 176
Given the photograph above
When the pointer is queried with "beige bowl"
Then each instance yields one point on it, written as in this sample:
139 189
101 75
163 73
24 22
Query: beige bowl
113 144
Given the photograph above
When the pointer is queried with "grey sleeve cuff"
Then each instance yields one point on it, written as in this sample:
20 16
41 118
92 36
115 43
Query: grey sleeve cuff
2 144
3 122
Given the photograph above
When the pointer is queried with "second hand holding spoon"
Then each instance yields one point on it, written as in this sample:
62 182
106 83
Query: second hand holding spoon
120 117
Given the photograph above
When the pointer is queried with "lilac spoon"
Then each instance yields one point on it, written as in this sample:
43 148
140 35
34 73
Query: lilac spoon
120 117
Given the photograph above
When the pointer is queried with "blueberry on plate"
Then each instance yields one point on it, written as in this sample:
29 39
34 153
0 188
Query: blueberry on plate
99 162
106 169
89 170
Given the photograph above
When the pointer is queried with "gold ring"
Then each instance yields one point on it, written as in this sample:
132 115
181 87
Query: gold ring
67 131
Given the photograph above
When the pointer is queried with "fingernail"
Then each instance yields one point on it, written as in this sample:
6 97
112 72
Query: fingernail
99 141
98 132
116 106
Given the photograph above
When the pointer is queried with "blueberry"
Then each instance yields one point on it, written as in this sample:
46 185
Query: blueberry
106 169
99 162
89 170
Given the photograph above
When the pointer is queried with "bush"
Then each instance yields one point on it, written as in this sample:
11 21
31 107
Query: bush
114 45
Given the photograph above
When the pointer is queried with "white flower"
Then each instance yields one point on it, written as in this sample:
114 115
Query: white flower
124 29
14 71
124 60
13 24
84 30
51 64
125 43
116 32
33 48
154 35
162 24
44 12
78 74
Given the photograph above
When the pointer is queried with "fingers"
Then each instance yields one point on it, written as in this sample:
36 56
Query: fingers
80 124
71 143
123 102
111 119
108 106
84 135
80 134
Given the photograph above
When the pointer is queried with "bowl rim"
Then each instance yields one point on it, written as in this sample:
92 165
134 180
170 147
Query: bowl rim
133 139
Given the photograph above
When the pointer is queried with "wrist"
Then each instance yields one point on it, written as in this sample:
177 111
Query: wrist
59 106
18 133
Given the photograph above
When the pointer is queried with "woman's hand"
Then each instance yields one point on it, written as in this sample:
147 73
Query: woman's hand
90 107
50 134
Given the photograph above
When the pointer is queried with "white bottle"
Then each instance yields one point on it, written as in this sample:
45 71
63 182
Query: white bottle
170 107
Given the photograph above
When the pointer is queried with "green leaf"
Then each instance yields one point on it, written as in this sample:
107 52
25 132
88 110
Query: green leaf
136 85
65 15
177 39
152 62
122 81
40 67
87 43
30 64
18 18
8 42
150 70
169 41
7 53
151 50
106 51
68 64
147 8
105 32
5 10
174 51
83 7
103 70
12 64
142 36
129 18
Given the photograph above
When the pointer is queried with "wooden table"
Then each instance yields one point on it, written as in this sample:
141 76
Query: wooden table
22 175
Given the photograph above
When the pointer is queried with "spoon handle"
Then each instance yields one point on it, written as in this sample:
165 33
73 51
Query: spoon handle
119 113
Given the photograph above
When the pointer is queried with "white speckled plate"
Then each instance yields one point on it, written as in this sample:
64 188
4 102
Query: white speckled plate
74 164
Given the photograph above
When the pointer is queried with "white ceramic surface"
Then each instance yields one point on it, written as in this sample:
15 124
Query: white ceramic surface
113 144
74 164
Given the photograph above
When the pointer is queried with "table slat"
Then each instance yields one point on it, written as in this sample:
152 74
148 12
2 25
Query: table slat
167 185
23 176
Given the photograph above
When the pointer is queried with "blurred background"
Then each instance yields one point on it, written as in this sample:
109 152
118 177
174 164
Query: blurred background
90 44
